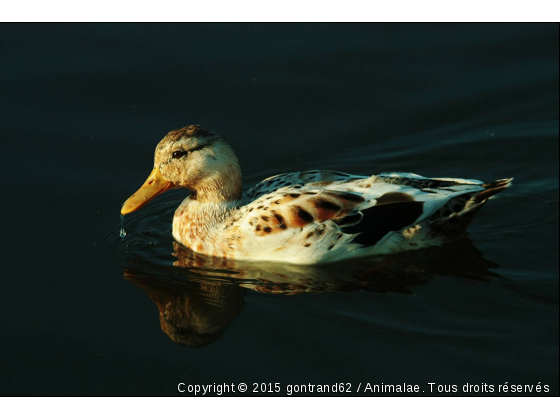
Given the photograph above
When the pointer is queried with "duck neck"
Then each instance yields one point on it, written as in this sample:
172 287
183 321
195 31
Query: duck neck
197 220
218 191
207 207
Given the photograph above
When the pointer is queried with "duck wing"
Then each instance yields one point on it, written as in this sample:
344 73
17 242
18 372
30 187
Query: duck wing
298 180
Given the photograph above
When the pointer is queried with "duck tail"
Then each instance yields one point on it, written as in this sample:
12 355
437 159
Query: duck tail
492 188
453 219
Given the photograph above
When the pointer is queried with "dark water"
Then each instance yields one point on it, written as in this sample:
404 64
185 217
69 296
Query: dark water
82 108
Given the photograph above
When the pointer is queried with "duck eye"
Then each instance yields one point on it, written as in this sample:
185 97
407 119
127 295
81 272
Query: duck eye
178 154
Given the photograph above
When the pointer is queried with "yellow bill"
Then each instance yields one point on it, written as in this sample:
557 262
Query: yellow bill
154 186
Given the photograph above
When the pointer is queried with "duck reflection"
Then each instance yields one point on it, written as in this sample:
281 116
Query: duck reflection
200 297
190 313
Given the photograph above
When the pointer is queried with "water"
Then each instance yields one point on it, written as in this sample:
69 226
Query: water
85 311
122 232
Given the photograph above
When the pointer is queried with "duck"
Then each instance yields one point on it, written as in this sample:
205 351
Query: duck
307 217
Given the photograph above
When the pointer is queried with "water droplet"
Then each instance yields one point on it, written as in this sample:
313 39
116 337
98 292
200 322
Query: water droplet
122 232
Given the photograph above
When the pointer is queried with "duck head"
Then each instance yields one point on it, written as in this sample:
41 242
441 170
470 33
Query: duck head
192 158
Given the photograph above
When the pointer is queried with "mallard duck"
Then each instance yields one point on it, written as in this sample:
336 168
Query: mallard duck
303 217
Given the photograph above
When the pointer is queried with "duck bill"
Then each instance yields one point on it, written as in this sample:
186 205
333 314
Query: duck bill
154 186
